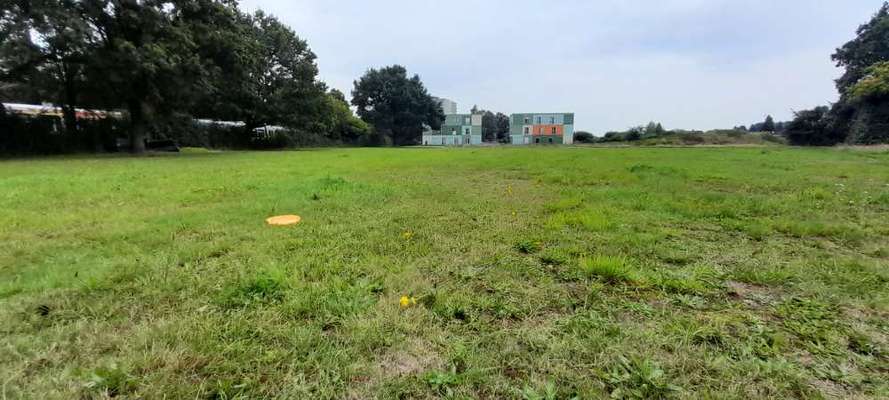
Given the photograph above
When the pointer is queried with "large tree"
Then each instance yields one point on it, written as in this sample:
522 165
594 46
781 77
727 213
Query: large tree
149 58
871 46
862 113
269 77
46 45
396 105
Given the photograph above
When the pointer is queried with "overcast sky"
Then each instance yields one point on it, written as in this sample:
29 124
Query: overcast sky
693 64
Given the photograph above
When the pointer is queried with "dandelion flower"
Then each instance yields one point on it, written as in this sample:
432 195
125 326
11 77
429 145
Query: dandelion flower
407 302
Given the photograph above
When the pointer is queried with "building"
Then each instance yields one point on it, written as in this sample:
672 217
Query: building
449 107
551 128
456 130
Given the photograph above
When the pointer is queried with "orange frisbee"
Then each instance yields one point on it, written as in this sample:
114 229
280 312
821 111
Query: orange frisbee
284 220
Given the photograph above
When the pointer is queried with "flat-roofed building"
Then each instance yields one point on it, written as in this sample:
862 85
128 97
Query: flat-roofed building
541 128
456 130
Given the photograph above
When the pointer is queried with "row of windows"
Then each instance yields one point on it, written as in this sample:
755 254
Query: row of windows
528 130
552 120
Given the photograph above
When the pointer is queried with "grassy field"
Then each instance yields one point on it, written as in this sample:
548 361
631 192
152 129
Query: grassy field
544 273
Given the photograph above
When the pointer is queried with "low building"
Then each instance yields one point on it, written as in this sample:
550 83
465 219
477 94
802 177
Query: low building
550 128
456 130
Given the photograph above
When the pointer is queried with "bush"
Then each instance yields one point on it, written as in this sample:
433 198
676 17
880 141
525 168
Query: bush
811 128
584 137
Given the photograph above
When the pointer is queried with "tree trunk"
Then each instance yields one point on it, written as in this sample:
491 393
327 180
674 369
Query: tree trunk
139 114
69 103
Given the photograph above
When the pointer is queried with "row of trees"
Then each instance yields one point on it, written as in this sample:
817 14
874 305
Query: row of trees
861 115
162 59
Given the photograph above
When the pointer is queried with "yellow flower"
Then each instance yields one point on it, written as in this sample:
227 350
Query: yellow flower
408 235
407 302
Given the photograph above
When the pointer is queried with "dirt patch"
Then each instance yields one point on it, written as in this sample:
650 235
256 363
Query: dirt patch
829 389
414 357
754 296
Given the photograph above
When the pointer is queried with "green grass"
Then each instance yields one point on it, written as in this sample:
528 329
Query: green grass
539 273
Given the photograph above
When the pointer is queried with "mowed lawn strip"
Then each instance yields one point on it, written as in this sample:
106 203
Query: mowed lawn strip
531 273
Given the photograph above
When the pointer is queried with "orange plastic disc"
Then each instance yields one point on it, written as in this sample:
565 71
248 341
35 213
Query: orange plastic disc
284 220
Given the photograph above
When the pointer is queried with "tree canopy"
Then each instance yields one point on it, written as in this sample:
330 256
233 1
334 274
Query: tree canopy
163 59
870 46
397 105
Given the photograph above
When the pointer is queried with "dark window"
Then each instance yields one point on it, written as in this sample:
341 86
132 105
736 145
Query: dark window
554 130
536 140
550 140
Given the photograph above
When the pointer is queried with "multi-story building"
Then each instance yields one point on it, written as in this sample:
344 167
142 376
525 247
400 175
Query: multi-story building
449 107
551 128
456 130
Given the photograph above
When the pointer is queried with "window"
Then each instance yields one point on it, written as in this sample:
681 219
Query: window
527 130
539 119
467 131
536 140
552 120
550 140
527 120
466 121
554 130
453 131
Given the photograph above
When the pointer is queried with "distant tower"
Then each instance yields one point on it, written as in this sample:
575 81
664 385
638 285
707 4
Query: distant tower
449 107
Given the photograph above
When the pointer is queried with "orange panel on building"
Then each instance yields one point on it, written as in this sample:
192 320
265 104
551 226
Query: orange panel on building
548 130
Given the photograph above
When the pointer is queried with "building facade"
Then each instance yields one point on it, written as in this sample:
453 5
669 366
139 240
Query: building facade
456 130
449 107
543 128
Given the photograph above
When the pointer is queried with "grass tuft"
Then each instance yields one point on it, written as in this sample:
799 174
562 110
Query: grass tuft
639 379
610 269
262 289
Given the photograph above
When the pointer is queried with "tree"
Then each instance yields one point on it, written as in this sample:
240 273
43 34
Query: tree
769 124
812 128
654 129
873 86
870 47
46 48
489 126
501 121
269 77
634 134
149 56
396 105
339 124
